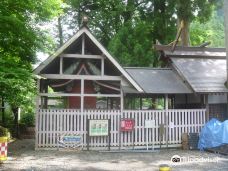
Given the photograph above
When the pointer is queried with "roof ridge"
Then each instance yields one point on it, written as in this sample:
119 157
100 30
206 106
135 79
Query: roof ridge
149 68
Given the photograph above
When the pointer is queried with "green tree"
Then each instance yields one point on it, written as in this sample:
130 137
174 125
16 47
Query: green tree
21 37
19 30
189 11
133 37
211 31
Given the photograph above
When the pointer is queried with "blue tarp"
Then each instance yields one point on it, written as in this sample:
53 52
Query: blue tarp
213 134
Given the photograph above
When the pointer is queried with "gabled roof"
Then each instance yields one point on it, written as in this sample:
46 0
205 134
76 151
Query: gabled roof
86 31
204 75
203 68
158 81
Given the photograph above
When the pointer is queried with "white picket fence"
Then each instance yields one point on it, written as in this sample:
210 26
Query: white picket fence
52 122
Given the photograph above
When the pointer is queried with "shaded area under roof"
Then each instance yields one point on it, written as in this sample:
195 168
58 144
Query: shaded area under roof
204 75
158 81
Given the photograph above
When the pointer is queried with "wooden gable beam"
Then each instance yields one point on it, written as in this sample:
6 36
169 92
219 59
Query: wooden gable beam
80 56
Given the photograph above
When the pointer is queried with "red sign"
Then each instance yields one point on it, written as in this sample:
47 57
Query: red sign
127 124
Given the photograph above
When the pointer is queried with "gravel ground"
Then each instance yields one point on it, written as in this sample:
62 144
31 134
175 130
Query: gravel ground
23 157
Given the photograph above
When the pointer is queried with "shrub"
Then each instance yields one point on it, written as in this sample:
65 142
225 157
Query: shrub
28 119
4 132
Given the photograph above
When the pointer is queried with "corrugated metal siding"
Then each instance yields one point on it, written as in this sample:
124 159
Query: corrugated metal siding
204 75
158 81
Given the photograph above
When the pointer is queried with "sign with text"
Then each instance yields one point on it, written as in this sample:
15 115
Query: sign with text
69 141
149 123
98 127
74 138
127 124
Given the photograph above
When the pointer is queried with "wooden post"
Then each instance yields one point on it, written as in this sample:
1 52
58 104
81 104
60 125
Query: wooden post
87 135
82 103
166 119
102 66
83 44
140 103
121 112
226 36
226 40
37 113
207 107
61 65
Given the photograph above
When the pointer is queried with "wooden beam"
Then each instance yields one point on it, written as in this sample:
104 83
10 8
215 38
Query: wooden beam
102 95
186 48
78 77
77 95
66 55
59 94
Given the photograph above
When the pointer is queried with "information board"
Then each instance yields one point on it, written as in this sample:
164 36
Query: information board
127 124
98 127
149 123
70 141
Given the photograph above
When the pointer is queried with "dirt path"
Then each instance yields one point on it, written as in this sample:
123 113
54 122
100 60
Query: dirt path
23 157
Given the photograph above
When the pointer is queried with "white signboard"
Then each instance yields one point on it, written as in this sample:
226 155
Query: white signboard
149 123
98 127
171 125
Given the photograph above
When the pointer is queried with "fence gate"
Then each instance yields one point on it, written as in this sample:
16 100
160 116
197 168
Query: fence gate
50 123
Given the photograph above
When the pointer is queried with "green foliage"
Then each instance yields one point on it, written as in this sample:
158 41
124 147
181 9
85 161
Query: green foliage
191 9
4 132
16 80
21 36
19 32
133 37
130 28
28 119
212 31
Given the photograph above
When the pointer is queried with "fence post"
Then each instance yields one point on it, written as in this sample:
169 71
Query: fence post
37 113
166 119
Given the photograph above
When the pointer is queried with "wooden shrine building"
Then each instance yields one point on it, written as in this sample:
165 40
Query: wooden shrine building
85 82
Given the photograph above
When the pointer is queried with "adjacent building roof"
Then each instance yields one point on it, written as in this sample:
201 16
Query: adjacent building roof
204 75
203 68
157 81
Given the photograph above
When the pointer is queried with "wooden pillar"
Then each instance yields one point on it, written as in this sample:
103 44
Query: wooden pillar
83 44
102 66
186 101
37 113
225 7
46 97
61 65
226 107
207 107
82 104
121 100
166 119
121 113
140 103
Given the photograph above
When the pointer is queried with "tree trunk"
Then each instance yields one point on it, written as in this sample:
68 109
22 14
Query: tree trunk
60 32
185 36
16 125
3 112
